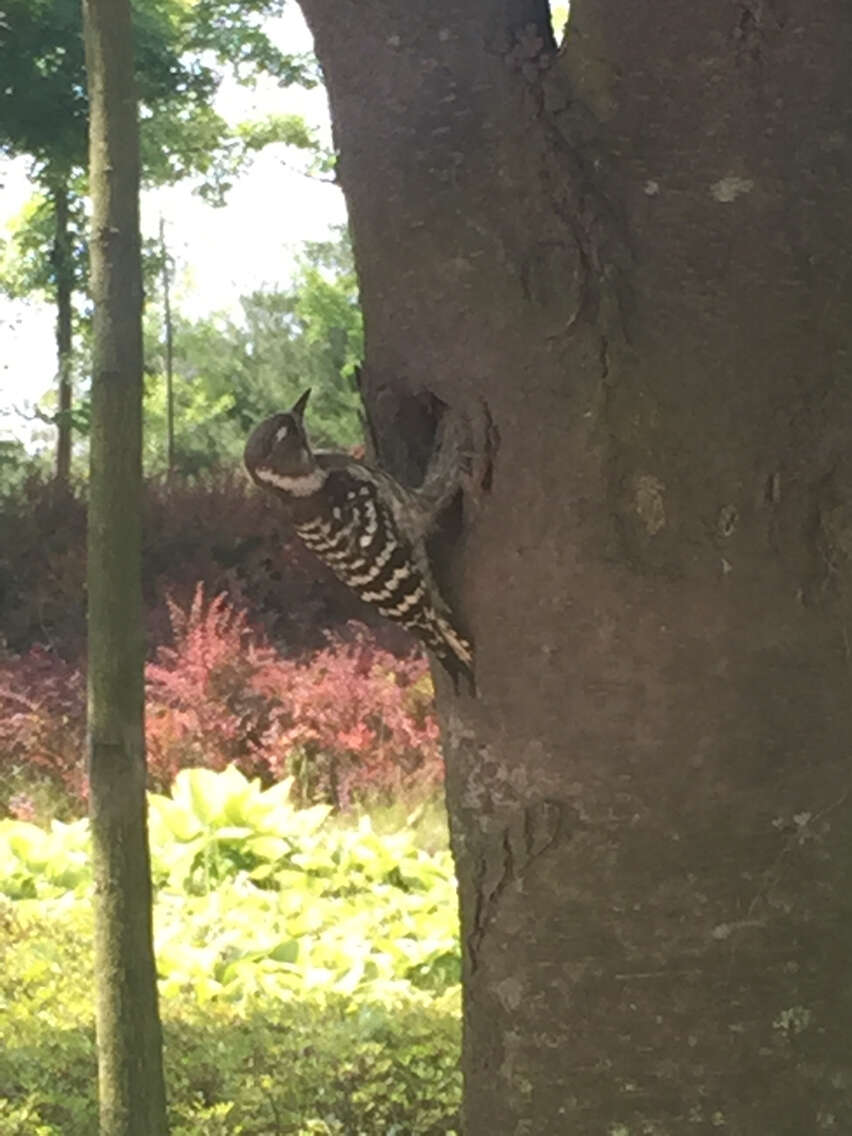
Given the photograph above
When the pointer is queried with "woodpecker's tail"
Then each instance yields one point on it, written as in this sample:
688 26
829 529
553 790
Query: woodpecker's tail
452 650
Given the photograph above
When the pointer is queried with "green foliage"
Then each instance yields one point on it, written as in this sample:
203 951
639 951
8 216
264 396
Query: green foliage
334 910
374 1072
234 32
308 971
43 101
282 129
48 1067
35 864
230 373
207 435
180 49
24 267
43 104
342 910
345 1068
16 466
326 302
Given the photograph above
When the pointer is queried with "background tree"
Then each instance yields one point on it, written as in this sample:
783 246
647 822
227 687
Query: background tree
166 269
47 255
181 50
131 1085
633 250
231 372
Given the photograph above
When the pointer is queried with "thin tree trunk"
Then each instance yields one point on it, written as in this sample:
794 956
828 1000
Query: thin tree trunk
169 343
132 1095
635 252
63 270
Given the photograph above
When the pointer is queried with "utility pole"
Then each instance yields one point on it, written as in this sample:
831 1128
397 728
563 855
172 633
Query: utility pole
169 346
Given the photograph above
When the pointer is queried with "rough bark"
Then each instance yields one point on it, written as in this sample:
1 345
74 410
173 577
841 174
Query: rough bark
132 1095
64 277
635 251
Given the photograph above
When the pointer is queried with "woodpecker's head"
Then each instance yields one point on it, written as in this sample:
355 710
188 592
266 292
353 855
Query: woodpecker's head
279 456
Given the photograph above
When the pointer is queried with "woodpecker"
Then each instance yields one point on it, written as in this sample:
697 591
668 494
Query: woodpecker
370 530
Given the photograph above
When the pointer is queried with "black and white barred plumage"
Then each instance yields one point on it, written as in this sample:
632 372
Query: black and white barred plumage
364 525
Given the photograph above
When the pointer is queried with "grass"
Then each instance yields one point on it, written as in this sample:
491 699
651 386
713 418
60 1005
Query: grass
308 969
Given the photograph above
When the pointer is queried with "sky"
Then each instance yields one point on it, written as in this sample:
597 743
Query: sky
221 254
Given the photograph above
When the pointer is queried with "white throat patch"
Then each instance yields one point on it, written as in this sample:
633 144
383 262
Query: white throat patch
302 486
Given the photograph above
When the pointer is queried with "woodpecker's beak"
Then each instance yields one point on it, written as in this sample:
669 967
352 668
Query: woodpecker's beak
298 410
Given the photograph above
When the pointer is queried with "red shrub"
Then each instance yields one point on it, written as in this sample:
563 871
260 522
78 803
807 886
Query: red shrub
353 721
42 722
201 705
22 807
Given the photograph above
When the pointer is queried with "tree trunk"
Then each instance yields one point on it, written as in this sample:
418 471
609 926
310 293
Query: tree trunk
634 250
132 1095
64 275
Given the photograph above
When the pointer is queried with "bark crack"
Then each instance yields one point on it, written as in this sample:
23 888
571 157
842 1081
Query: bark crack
508 854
